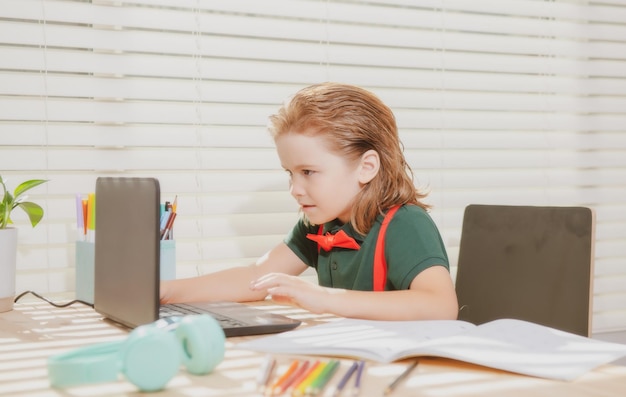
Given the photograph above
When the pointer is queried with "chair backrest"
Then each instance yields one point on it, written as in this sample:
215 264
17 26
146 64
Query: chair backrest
529 263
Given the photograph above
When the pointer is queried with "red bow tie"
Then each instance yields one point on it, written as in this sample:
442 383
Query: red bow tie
328 241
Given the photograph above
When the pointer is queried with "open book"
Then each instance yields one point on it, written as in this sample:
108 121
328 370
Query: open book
511 345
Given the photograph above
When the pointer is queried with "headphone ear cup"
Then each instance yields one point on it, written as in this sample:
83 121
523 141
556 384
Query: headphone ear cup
203 343
150 357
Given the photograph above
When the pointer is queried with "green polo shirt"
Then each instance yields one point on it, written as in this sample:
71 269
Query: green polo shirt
412 244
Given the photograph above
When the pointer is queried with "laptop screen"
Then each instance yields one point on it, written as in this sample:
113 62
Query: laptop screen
127 249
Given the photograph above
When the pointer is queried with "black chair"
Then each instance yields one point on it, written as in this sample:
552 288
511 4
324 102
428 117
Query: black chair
529 263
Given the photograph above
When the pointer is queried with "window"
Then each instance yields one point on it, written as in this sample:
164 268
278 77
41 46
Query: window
509 101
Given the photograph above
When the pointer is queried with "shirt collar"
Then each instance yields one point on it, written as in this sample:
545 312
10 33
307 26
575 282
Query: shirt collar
336 225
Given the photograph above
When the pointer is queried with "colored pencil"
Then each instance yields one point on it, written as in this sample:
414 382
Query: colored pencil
319 383
266 373
284 378
346 377
294 378
300 388
399 379
357 381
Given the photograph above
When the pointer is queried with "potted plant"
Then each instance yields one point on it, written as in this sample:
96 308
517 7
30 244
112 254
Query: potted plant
8 235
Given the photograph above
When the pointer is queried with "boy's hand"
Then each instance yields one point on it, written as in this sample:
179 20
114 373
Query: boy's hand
293 290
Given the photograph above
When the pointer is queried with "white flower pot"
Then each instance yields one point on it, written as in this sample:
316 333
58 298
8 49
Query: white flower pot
8 258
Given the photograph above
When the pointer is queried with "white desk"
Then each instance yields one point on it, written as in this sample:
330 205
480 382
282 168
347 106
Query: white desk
34 330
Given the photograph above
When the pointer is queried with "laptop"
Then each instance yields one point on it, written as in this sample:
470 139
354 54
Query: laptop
127 264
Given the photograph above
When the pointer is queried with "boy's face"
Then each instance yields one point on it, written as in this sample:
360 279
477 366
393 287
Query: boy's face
323 183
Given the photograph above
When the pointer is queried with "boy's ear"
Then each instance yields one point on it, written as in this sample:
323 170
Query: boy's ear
370 164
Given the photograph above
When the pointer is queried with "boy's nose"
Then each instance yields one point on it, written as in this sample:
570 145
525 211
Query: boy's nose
296 189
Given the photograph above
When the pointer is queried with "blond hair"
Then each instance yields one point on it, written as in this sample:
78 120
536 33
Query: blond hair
353 121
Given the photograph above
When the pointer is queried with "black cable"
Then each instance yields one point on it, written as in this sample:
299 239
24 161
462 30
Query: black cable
50 302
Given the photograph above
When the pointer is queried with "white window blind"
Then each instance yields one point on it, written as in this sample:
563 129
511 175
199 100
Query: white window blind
505 102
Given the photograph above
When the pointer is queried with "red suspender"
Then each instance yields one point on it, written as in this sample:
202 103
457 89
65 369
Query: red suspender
380 265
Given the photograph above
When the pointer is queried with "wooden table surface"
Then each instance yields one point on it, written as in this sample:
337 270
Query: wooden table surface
34 330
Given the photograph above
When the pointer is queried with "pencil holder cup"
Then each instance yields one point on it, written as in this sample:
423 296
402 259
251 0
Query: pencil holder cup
168 259
85 253
85 267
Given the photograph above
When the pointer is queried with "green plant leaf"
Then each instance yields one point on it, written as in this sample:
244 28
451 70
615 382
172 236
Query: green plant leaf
24 186
34 212
10 202
4 215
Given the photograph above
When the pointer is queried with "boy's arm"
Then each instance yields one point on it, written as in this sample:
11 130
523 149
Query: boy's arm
232 284
431 296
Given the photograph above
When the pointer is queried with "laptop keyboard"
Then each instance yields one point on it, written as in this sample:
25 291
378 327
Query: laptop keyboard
181 309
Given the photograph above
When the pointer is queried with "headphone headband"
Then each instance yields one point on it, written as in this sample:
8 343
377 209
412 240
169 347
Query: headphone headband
91 364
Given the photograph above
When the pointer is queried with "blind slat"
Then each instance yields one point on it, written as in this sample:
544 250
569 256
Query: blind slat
529 32
147 65
208 91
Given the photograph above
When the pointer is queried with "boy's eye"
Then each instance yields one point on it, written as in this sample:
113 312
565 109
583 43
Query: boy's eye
307 172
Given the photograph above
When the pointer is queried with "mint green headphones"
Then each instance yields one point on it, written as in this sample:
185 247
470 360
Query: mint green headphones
150 356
